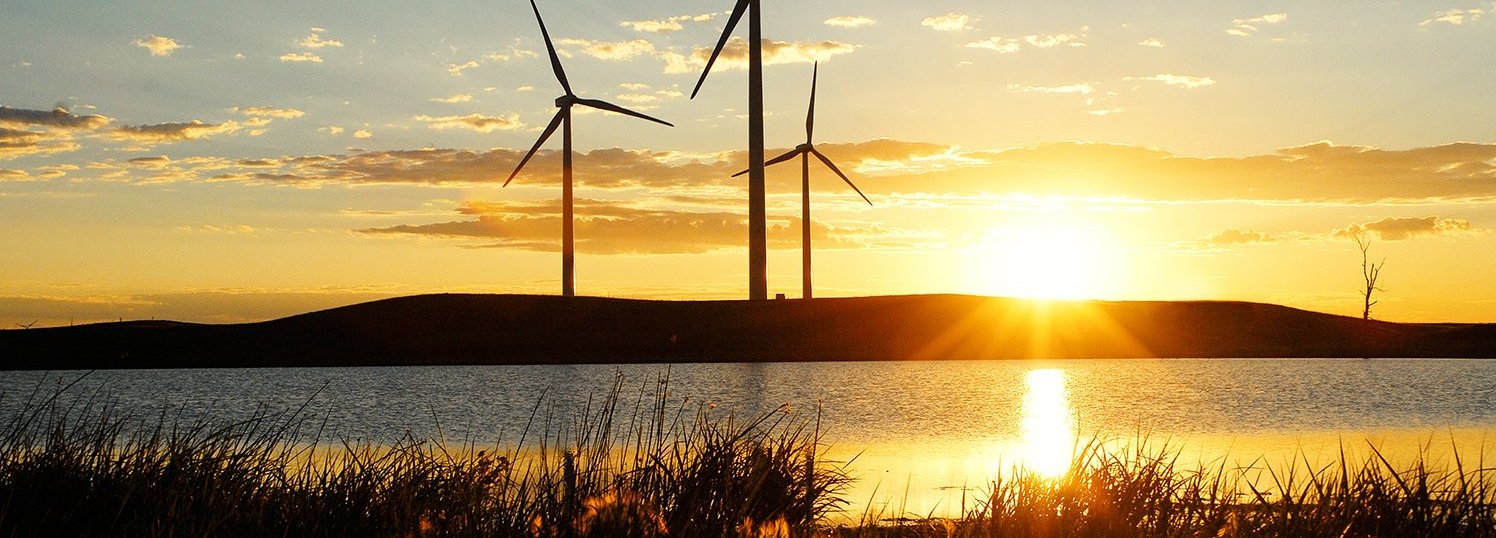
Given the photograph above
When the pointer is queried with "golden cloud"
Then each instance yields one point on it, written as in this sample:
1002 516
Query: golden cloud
269 112
604 227
158 45
1239 237
1080 88
1250 27
950 22
610 51
850 21
301 57
162 133
454 99
1314 173
1178 81
36 132
476 122
667 25
57 118
734 55
315 41
1404 228
1005 45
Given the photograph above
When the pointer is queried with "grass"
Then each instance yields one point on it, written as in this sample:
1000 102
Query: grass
79 469
634 465
1136 490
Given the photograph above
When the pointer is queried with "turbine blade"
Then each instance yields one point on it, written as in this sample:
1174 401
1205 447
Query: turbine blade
838 171
810 117
732 22
604 105
549 129
555 60
787 156
771 162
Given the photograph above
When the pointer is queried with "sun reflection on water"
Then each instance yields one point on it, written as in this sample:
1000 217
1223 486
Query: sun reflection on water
1048 425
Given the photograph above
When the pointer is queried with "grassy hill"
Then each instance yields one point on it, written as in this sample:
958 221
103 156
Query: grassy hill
523 329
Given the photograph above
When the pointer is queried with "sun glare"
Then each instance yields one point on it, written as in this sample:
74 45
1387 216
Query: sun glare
1046 259
1048 426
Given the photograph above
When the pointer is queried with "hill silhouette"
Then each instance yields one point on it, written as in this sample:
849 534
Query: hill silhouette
526 329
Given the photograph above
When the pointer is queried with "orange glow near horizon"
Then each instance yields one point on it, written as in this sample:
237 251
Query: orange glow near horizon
1047 259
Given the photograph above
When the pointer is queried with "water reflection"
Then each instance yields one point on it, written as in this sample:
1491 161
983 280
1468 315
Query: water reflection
1048 424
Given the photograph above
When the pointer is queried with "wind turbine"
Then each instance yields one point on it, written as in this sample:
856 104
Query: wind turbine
758 257
563 118
805 151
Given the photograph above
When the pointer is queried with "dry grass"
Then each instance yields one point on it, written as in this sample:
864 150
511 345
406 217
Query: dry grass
77 469
72 467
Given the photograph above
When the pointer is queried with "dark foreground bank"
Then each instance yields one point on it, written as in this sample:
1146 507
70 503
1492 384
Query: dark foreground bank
523 329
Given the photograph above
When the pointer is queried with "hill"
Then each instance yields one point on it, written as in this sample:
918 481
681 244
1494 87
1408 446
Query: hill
523 329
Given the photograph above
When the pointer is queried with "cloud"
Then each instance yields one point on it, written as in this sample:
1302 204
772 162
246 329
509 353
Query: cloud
610 51
158 45
514 52
158 161
1239 237
57 118
363 134
667 25
1456 17
11 174
1320 173
315 41
850 21
734 55
606 227
454 99
163 133
1150 42
1404 228
1179 81
950 22
1080 88
476 122
301 57
1040 41
457 69
269 112
15 143
1250 27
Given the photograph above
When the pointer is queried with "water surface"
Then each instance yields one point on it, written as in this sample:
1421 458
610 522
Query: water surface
922 428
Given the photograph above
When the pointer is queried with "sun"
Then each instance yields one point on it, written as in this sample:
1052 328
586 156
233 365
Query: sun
1046 258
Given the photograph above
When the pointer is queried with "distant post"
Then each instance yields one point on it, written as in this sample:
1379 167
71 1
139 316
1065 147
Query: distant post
1370 272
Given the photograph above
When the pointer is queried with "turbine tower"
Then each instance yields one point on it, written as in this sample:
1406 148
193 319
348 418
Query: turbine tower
758 252
805 151
563 119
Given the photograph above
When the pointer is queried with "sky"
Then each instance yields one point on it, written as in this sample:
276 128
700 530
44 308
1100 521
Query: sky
224 161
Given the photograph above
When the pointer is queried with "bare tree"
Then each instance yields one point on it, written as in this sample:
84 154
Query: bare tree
1370 271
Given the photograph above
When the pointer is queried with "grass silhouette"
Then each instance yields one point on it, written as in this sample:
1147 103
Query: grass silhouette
72 466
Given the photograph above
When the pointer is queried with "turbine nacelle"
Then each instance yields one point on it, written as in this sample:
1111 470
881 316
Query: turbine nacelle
566 101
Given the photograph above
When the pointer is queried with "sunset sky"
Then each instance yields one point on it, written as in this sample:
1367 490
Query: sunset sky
242 161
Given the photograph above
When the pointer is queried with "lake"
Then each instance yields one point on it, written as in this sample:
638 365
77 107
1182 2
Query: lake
922 430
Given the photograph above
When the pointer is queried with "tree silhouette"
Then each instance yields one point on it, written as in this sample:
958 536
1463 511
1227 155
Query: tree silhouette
1370 272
